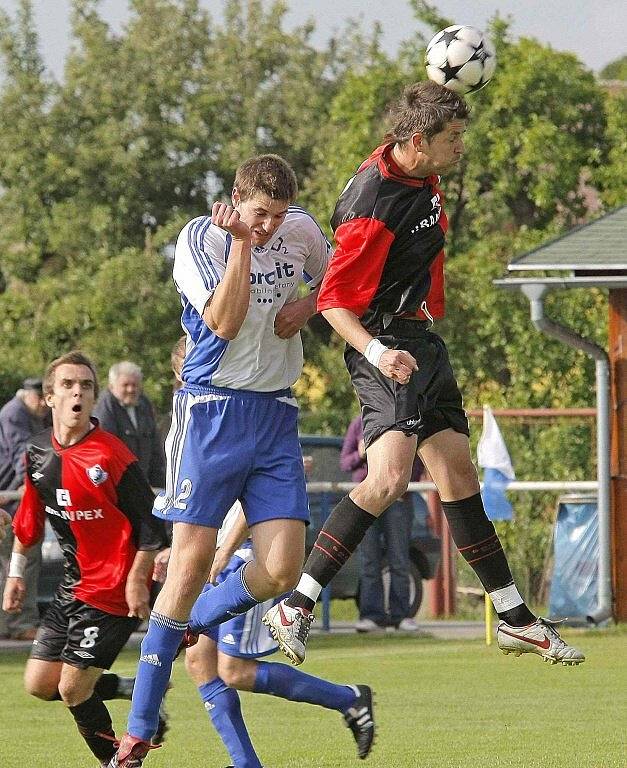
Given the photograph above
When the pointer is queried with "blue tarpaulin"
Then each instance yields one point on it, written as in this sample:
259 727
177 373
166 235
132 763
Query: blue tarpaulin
576 553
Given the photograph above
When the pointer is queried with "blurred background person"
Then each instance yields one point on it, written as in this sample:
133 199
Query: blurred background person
126 412
21 418
389 537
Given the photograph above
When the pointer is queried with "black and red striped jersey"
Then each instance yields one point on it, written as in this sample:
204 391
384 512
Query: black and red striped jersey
389 231
100 507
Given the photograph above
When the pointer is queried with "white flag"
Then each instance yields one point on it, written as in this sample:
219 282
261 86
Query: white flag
493 457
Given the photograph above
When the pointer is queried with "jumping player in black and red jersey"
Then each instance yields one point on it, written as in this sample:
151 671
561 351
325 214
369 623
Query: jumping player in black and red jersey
91 489
381 293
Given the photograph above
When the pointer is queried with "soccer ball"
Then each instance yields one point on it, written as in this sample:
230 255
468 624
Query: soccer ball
460 58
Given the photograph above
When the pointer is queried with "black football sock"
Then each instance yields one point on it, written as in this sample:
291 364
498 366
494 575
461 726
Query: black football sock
344 529
110 686
480 546
92 719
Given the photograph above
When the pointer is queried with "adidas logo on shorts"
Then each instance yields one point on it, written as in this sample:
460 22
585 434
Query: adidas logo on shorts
151 658
229 639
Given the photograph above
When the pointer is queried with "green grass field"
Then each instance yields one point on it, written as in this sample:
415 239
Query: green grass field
448 704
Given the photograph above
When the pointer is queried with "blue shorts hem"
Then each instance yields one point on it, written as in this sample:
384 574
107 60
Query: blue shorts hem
178 518
228 651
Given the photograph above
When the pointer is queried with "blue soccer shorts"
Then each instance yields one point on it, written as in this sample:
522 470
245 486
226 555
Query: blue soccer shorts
243 636
227 444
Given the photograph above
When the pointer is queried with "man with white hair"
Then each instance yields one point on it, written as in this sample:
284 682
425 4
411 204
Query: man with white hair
126 412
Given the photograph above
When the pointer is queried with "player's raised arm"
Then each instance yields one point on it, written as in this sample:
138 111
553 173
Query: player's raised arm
226 310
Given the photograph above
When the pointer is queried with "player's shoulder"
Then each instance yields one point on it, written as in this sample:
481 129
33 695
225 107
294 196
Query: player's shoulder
39 443
111 448
196 223
201 238
300 220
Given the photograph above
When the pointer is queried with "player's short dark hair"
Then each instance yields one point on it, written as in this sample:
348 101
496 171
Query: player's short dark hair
426 108
75 357
269 174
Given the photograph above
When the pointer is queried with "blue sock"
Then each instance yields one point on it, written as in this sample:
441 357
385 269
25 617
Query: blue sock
221 603
153 673
223 707
292 684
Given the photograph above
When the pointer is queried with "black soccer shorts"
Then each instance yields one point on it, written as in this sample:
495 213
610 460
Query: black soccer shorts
78 634
430 402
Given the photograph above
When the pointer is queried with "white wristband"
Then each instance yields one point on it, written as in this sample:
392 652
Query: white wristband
17 566
373 352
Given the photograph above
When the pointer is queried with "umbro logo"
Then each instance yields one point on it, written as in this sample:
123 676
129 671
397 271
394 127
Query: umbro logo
151 658
37 475
84 654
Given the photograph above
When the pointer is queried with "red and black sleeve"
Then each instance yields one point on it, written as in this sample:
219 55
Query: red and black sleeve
354 273
135 500
30 518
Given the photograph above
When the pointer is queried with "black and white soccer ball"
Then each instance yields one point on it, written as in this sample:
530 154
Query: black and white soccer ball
460 58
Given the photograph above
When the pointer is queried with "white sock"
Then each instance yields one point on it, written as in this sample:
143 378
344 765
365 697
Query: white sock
309 587
506 598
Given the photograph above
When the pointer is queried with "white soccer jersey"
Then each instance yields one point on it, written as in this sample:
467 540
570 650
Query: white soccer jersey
257 359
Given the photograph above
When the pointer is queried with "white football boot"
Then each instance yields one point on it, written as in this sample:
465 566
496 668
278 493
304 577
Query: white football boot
290 628
542 638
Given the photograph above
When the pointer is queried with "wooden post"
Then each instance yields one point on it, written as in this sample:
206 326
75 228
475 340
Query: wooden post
618 405
441 590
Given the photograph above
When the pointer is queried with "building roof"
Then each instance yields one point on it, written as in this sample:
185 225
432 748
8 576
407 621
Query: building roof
599 246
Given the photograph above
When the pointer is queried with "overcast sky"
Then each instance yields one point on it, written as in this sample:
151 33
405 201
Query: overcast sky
593 29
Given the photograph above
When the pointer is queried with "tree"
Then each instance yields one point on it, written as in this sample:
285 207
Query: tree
615 70
25 138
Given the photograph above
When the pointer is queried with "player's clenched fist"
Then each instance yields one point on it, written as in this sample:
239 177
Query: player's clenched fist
227 218
397 364
14 594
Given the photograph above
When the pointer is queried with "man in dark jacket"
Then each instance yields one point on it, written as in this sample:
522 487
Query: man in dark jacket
126 412
22 417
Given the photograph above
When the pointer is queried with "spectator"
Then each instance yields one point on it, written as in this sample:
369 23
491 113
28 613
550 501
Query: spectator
390 534
22 417
126 412
5 523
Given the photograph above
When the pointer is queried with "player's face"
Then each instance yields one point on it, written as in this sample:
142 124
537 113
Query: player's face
446 148
127 389
72 398
262 214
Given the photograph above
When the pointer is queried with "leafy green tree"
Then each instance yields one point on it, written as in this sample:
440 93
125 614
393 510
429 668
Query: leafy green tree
610 177
25 137
615 70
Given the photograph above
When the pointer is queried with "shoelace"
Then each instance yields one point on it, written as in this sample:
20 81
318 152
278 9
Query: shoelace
303 626
549 627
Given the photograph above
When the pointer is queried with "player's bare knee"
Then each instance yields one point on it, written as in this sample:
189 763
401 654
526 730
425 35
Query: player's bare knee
236 672
386 489
40 681
232 675
40 689
283 579
197 667
74 692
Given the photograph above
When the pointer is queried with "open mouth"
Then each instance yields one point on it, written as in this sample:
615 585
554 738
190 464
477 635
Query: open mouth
77 408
